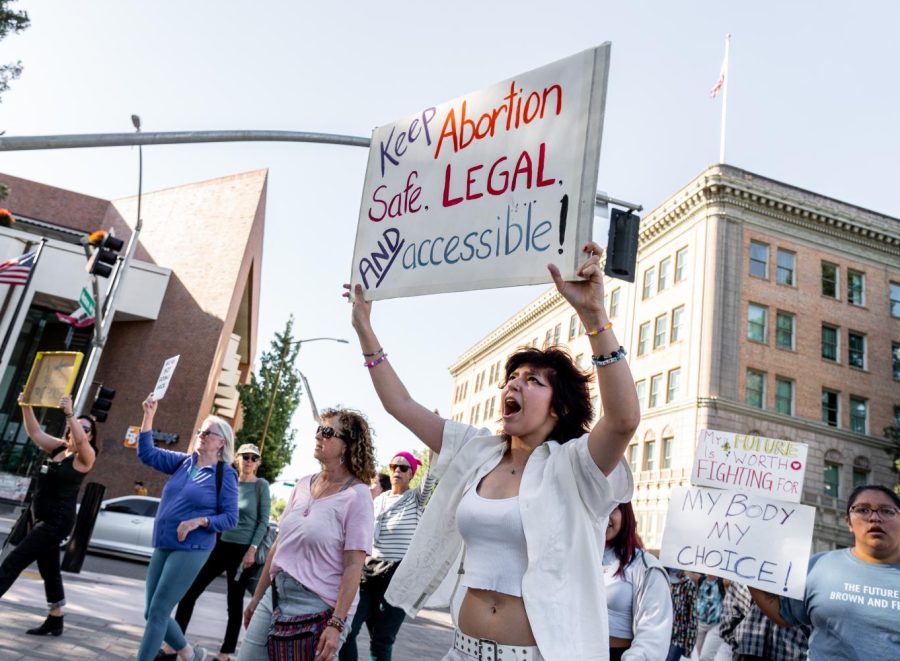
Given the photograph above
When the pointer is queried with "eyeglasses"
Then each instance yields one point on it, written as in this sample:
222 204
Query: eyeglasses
249 457
203 433
864 511
403 468
328 432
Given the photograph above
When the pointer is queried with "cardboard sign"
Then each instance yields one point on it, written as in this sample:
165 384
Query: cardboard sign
485 190
165 375
52 376
757 541
751 464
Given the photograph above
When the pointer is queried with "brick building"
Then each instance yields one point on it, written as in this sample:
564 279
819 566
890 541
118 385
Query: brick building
192 289
758 308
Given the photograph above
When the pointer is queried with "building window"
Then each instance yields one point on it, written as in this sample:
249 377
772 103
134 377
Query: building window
681 265
784 274
859 414
677 324
830 279
665 274
895 359
650 456
759 260
784 330
614 297
756 389
477 412
784 396
674 385
856 350
644 338
659 335
757 320
579 360
557 330
830 343
895 299
548 336
830 414
573 326
856 287
831 477
860 477
633 457
641 389
655 390
489 408
666 459
649 281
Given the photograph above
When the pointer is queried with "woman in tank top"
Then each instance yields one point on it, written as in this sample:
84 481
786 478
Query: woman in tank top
53 507
524 504
638 599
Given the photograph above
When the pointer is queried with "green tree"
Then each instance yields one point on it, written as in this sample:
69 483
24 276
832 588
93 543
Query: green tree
276 370
15 22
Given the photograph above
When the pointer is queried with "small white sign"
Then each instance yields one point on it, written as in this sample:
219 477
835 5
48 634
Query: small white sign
162 384
757 541
752 464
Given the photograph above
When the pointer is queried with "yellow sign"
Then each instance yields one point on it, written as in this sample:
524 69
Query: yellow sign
131 437
52 376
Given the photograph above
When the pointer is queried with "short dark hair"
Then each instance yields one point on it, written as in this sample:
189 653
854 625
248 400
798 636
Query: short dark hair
627 539
854 495
385 481
571 401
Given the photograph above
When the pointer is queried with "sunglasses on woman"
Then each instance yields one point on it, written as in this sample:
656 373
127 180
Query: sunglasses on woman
249 457
402 468
328 432
203 433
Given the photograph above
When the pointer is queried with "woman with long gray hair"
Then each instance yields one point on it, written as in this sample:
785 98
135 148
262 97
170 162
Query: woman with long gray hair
199 500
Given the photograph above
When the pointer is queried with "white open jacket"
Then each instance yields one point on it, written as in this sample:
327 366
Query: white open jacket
564 500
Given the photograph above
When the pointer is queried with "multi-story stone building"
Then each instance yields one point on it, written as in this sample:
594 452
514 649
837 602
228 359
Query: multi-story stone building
758 308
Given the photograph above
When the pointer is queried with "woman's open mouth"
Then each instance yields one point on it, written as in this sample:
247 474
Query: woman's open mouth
510 407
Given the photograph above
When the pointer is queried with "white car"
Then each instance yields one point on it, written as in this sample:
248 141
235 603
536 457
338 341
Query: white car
124 526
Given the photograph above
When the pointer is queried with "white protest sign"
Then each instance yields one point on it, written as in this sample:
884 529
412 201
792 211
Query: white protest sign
757 541
485 190
751 464
165 375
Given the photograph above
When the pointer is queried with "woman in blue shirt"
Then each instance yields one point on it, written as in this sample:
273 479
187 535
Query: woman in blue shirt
198 501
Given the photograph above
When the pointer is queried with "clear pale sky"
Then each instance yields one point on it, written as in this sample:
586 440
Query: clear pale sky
813 102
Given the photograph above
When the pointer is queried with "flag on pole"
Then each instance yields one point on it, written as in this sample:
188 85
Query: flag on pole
721 81
84 315
15 271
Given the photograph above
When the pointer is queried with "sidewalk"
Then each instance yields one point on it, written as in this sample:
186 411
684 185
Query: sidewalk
104 620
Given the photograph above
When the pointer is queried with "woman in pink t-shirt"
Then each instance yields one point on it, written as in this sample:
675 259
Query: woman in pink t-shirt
310 582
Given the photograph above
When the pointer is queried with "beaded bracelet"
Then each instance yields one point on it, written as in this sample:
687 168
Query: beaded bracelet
373 363
614 357
336 622
596 332
373 354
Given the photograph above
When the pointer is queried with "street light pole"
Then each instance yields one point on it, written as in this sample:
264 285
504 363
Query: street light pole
281 359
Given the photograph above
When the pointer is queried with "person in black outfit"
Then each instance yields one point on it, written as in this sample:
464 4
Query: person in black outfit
53 507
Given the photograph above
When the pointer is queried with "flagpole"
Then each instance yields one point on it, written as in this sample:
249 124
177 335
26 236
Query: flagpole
15 314
724 99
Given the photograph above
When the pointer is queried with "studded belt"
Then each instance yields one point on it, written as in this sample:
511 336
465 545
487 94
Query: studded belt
489 650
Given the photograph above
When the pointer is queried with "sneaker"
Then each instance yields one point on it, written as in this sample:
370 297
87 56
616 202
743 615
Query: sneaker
200 653
165 656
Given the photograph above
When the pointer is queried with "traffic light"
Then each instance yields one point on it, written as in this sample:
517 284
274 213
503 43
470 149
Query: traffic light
104 256
622 246
102 403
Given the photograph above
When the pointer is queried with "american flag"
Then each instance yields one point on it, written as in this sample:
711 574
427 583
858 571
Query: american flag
15 271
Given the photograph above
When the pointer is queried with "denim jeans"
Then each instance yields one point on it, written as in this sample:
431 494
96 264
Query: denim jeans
382 621
169 576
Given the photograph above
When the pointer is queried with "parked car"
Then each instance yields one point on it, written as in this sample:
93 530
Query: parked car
124 526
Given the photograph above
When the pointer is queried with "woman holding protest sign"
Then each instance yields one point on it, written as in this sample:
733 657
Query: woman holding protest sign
309 584
852 595
235 550
397 514
200 499
637 593
52 509
532 496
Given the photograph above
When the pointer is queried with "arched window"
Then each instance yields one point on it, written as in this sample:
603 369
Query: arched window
668 441
650 452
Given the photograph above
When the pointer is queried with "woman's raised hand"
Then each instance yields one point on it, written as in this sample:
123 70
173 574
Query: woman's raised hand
586 296
65 403
362 309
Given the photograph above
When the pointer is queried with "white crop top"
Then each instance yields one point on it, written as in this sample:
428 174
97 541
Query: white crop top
496 555
619 598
